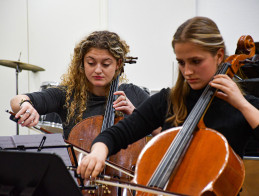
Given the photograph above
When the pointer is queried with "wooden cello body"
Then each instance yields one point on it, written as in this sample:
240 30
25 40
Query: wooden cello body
83 134
193 159
125 158
209 158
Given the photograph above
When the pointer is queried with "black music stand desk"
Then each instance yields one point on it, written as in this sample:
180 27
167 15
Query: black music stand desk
37 174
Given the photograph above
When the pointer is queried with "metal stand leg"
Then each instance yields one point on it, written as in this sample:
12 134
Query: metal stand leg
18 70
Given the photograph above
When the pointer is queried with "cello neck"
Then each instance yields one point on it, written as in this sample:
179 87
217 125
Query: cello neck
109 115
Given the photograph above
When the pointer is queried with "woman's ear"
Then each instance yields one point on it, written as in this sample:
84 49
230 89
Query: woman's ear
81 67
220 56
118 64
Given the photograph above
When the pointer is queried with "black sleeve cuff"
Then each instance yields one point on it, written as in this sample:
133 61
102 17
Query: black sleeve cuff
256 132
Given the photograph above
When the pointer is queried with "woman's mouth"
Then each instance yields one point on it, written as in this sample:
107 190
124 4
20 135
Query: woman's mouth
191 81
97 77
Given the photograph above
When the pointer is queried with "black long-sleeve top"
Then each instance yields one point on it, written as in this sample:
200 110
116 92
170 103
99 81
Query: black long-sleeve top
53 100
152 114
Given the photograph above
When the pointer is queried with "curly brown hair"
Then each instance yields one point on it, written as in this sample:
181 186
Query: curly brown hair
75 81
203 32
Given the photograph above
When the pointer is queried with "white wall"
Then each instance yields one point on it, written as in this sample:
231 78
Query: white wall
233 17
148 27
54 28
45 31
13 40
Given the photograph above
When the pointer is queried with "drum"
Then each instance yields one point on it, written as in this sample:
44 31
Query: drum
51 121
48 84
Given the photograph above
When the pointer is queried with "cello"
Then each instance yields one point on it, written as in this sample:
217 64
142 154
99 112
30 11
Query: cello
183 161
84 133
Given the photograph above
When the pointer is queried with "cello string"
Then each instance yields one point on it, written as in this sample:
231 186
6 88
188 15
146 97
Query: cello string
107 110
183 138
109 114
201 105
176 148
110 117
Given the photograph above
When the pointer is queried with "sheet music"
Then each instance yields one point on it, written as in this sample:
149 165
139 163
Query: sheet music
6 142
34 141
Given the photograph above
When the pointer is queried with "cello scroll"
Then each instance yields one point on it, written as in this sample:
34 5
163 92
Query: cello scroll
245 49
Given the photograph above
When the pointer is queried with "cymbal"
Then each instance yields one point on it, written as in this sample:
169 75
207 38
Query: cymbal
26 66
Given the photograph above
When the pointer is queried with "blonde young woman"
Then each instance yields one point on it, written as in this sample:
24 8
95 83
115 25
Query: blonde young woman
199 49
98 59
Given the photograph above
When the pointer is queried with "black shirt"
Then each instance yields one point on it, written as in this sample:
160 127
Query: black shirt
220 116
53 99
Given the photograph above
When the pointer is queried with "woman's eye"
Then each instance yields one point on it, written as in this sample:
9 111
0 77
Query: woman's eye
90 63
106 64
196 61
181 63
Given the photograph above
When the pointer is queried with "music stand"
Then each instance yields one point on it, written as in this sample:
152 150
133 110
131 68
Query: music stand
37 174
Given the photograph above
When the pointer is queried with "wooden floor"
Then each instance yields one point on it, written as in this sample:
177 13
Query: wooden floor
251 183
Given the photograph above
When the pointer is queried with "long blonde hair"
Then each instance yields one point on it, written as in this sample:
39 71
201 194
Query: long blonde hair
75 81
204 33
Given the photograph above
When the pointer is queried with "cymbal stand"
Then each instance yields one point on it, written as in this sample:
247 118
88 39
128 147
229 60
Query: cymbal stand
17 70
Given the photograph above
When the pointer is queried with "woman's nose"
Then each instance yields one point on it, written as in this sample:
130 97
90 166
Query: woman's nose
188 70
98 69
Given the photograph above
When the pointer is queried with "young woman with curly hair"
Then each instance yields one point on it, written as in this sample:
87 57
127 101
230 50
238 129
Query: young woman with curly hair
98 59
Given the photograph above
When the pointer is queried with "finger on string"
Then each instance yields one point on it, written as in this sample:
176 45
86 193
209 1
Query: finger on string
119 93
120 99
121 108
